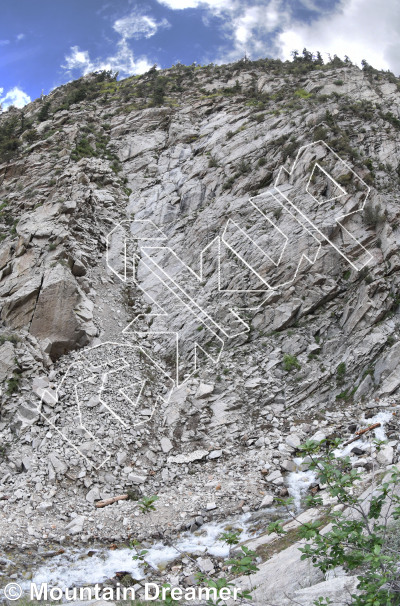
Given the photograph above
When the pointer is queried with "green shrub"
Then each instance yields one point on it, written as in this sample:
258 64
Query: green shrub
259 117
158 92
243 167
213 162
146 504
320 133
30 135
302 94
373 215
363 535
290 362
43 114
340 373
10 130
228 184
345 179
13 384
11 338
83 149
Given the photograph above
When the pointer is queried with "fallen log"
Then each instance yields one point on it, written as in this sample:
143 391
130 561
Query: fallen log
111 500
361 432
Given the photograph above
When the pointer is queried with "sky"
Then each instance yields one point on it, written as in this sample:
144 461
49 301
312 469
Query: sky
46 43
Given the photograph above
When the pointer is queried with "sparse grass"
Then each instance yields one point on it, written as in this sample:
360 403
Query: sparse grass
12 338
302 94
373 215
13 384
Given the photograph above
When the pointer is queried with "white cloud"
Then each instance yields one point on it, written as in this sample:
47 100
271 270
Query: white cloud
135 25
138 26
247 26
122 61
4 42
182 4
20 37
361 29
15 96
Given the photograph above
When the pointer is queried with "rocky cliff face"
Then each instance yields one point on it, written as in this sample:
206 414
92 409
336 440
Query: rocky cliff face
241 307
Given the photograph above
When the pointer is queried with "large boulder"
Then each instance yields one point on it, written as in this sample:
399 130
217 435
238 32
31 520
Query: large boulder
18 307
57 317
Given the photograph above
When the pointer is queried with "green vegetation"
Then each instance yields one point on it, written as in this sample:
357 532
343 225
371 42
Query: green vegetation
146 504
158 91
364 535
11 338
244 564
302 94
320 133
140 553
230 537
87 88
345 179
340 373
43 114
10 131
213 162
13 384
290 362
94 143
373 215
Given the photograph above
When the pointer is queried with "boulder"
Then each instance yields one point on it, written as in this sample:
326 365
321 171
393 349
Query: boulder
196 455
55 317
385 455
267 501
275 478
40 387
204 390
78 268
27 414
293 441
166 444
136 479
75 526
59 466
18 308
44 506
93 495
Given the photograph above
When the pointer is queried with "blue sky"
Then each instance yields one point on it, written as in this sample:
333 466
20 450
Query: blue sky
45 43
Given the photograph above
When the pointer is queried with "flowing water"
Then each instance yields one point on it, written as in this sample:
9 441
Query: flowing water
77 568
298 481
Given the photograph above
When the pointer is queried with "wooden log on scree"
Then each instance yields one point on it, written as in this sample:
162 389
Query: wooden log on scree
111 500
361 432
